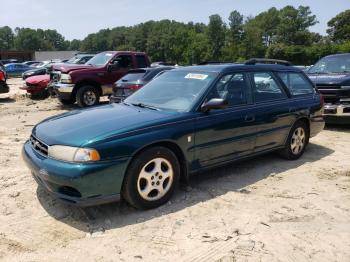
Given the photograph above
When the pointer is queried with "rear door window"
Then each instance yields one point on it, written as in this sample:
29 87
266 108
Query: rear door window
296 83
266 88
141 61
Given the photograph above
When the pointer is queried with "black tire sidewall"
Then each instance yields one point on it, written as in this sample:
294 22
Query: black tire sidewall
80 95
129 189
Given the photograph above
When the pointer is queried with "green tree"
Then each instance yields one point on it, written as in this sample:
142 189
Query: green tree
27 39
6 38
216 36
236 26
339 27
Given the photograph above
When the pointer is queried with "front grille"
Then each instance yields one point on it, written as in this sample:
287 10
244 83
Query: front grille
330 93
39 146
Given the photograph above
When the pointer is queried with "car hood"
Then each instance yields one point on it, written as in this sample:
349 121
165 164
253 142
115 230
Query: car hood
38 79
83 127
66 68
330 79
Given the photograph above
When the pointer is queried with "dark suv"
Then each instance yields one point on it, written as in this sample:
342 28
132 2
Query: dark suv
331 76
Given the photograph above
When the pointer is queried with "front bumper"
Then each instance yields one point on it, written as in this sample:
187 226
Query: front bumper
337 113
75 183
64 91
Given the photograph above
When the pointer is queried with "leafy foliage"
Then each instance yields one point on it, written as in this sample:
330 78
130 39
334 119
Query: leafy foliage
275 33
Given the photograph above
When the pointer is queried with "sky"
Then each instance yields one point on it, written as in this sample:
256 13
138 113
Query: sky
75 19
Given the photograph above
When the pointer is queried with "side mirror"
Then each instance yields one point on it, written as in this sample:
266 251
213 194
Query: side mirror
113 66
214 103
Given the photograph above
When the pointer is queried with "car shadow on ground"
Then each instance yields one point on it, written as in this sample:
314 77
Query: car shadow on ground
76 107
205 186
6 100
338 127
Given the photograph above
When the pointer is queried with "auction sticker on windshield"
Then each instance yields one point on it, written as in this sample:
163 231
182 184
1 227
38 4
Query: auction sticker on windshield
196 76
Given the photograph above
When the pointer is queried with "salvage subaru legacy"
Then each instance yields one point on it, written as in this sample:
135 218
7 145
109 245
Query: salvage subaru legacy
186 120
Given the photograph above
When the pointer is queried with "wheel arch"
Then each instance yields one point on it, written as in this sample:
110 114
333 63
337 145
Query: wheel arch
86 82
175 148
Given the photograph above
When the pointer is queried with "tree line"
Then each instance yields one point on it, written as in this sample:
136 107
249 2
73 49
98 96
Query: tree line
276 33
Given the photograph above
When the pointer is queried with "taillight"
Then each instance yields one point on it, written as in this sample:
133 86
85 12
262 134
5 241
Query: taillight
134 87
2 76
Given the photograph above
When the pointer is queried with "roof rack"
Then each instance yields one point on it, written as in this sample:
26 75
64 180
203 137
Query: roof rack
254 61
214 62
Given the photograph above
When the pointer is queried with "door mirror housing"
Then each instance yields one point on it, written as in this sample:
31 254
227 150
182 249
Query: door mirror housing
214 103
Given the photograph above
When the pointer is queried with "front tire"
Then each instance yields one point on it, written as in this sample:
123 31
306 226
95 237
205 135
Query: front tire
151 178
88 96
297 141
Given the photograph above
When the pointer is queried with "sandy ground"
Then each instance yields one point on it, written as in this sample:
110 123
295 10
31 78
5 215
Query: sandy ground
266 209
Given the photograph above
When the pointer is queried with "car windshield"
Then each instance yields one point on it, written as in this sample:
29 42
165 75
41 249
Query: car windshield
133 76
174 91
100 59
332 64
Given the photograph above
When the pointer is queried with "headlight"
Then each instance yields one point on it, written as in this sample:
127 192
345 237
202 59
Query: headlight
345 87
73 154
66 79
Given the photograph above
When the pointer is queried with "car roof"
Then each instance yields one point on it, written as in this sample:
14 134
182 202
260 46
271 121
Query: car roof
341 54
222 68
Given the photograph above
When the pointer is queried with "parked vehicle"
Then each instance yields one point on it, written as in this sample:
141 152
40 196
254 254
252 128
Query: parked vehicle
185 121
79 59
134 80
85 84
8 61
3 86
161 63
30 63
331 76
37 86
16 69
45 69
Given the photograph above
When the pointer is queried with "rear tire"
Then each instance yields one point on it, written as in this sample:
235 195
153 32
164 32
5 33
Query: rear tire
88 96
297 141
151 178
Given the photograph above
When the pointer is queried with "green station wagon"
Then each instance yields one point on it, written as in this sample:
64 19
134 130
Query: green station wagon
185 121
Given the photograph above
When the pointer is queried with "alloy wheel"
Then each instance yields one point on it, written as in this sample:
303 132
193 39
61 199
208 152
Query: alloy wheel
89 98
155 179
298 141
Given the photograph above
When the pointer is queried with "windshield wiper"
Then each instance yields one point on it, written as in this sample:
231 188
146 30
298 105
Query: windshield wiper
142 105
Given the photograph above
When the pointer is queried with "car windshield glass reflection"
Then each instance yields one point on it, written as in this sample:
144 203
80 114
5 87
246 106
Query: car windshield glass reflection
100 59
333 64
174 90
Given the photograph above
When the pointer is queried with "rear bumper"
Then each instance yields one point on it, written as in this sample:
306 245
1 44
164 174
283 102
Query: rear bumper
4 88
116 99
74 183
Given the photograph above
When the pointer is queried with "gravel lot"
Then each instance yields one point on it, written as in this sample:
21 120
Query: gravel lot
265 209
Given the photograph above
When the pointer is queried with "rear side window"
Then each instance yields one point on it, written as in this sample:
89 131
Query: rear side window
296 83
133 76
266 88
141 61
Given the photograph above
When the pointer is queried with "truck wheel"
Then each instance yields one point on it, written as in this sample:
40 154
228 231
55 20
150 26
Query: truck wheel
297 141
88 96
66 102
151 178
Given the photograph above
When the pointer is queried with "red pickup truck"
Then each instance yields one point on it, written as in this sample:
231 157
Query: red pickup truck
85 84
